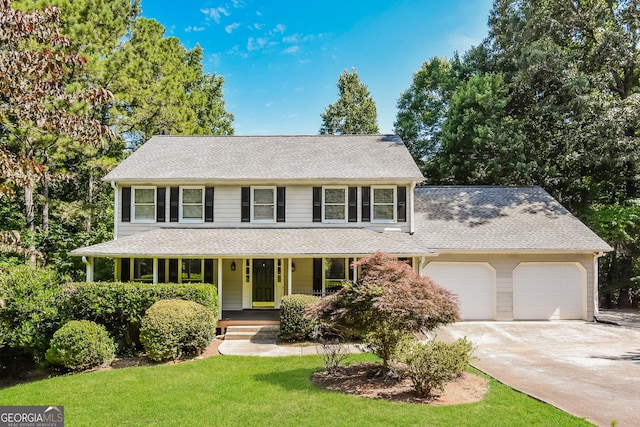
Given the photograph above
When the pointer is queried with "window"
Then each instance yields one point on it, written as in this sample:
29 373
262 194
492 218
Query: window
144 204
263 206
191 270
143 270
334 273
334 206
383 207
191 204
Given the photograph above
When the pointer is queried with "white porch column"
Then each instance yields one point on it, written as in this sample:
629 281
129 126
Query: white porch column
220 288
89 264
155 270
289 282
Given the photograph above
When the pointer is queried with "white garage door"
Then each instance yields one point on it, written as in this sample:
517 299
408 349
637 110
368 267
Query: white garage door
543 291
474 283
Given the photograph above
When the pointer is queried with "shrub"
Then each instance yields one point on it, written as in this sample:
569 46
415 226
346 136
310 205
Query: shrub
121 306
390 301
174 327
332 351
79 345
294 326
432 363
29 314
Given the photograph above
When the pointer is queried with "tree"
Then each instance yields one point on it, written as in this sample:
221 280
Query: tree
390 301
354 112
38 112
423 107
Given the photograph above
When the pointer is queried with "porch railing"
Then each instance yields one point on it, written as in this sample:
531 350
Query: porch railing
316 293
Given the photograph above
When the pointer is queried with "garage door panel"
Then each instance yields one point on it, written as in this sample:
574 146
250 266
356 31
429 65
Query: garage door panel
550 291
474 283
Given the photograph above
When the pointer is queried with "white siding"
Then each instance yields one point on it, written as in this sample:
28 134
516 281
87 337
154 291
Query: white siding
227 207
302 278
231 285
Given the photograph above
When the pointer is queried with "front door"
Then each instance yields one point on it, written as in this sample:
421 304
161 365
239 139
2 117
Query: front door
263 282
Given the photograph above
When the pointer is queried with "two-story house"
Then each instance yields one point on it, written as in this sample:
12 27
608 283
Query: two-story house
260 217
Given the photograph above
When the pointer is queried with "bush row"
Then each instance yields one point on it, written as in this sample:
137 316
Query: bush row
120 307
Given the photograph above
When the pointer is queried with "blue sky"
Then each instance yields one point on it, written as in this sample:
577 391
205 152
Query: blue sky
281 59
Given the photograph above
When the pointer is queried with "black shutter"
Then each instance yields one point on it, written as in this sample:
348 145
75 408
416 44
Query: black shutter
281 209
246 204
162 277
317 204
173 204
160 204
352 270
208 205
126 204
125 269
317 276
173 270
366 204
208 271
402 204
353 204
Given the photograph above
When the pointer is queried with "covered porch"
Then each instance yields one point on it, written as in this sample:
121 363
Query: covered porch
249 268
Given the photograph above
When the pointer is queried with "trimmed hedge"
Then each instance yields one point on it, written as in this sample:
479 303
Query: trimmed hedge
174 327
79 345
121 306
294 326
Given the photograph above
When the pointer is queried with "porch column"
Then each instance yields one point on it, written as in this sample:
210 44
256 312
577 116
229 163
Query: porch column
89 264
289 277
155 270
220 288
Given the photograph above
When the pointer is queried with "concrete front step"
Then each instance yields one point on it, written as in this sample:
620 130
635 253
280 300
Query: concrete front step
252 333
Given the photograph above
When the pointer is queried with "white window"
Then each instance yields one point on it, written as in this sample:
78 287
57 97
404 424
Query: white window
144 204
263 204
383 206
335 271
334 204
191 204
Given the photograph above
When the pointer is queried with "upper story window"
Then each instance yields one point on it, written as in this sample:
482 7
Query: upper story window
144 204
263 204
191 204
334 204
383 206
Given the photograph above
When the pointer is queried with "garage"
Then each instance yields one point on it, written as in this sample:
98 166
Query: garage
550 291
473 282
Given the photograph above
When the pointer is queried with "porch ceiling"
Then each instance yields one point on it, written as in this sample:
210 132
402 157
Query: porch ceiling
178 242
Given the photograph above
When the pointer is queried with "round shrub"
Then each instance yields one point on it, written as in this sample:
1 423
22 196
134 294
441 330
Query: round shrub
294 326
79 345
171 328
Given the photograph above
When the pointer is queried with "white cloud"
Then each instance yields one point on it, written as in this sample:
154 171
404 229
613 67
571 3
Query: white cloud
194 29
278 29
229 28
258 26
237 3
291 50
256 43
270 104
215 13
462 42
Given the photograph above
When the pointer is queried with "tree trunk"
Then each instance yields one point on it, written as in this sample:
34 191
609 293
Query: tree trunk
30 218
87 222
45 208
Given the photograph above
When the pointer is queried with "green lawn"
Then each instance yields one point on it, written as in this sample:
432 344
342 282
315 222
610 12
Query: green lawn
254 391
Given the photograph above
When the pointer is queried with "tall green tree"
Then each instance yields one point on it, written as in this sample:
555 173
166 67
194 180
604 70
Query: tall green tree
354 112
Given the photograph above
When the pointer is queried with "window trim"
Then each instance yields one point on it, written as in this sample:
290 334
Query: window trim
346 204
133 204
181 205
274 190
395 203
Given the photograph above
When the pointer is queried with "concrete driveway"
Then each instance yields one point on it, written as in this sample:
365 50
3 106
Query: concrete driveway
587 369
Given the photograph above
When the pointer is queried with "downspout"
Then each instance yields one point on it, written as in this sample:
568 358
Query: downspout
116 206
596 256
411 208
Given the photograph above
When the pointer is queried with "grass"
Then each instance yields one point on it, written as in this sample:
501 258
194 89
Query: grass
257 391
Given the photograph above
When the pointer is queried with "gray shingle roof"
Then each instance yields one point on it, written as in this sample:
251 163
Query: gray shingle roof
498 218
317 157
255 242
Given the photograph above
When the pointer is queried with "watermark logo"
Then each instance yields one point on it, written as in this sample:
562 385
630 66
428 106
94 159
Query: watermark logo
31 416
